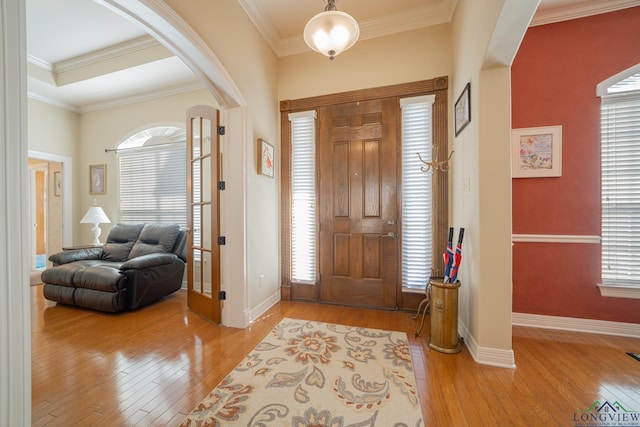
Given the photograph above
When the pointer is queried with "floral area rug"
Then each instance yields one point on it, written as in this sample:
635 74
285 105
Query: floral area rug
317 374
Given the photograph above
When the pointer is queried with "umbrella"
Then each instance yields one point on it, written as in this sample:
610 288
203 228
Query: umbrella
457 258
448 256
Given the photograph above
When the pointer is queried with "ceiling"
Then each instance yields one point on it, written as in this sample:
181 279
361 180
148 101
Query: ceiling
83 56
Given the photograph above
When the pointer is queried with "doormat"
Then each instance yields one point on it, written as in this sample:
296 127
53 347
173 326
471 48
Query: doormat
635 356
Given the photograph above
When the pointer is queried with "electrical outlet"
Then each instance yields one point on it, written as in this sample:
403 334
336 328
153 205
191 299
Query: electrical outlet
466 185
260 279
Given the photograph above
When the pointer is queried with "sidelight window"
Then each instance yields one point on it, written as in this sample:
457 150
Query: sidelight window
417 203
303 197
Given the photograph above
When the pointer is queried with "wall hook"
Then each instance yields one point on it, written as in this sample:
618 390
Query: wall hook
434 165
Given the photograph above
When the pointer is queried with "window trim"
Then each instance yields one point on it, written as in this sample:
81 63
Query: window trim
617 290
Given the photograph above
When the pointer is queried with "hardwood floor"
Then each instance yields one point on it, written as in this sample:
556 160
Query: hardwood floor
153 366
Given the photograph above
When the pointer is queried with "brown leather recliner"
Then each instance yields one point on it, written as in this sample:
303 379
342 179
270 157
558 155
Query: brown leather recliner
138 264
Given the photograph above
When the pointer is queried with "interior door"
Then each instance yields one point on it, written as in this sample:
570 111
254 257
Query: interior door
358 204
203 174
38 191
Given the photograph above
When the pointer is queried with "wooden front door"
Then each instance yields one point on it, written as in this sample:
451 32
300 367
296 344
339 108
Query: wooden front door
203 213
358 203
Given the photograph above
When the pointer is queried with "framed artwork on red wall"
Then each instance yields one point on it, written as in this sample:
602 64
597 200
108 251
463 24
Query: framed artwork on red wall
536 152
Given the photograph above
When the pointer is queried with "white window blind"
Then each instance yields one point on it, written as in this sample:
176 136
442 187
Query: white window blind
153 177
620 163
303 197
417 215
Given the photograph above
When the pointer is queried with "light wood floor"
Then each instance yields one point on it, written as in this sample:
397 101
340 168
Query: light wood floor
153 366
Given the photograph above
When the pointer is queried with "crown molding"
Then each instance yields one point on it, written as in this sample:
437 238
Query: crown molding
147 96
594 7
258 16
413 19
120 102
111 52
39 63
52 101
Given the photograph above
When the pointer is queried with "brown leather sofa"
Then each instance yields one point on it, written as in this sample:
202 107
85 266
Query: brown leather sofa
138 264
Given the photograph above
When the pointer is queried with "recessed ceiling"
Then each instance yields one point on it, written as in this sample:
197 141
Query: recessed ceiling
66 39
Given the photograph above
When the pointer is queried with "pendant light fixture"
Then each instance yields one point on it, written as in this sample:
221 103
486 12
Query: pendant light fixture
331 32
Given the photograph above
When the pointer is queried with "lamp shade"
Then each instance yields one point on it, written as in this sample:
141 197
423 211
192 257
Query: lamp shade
95 215
331 32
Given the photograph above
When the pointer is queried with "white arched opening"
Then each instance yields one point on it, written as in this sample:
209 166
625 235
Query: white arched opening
177 36
15 332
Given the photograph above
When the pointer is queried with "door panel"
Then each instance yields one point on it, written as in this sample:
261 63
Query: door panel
203 172
357 165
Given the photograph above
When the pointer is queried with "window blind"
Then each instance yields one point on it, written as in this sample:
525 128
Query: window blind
303 197
620 163
153 184
417 215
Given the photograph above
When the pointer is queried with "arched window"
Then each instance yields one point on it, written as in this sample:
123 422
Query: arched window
153 176
620 157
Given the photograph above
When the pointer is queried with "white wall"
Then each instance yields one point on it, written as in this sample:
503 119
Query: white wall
15 331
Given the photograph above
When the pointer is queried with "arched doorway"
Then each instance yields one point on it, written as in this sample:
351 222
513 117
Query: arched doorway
15 366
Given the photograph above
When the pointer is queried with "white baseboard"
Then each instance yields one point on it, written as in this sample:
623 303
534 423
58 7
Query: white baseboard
577 325
486 355
262 308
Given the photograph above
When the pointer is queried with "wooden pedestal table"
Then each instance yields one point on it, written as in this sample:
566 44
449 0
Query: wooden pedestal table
444 317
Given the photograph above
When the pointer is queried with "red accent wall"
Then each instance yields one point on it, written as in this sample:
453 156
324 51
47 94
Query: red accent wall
554 78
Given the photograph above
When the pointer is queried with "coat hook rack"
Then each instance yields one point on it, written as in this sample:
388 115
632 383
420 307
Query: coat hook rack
434 165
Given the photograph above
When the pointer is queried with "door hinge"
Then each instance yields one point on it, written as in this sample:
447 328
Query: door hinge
221 130
222 185
222 240
222 295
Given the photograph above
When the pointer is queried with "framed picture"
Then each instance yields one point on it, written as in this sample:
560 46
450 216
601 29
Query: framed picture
97 179
265 158
536 152
462 109
57 183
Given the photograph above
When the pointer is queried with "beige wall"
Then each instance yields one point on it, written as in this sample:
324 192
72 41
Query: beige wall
400 58
52 129
252 200
106 129
250 205
481 182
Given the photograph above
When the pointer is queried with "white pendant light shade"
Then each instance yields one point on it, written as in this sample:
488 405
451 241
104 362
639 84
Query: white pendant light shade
331 32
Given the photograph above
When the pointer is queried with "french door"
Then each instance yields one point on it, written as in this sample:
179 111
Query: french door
203 212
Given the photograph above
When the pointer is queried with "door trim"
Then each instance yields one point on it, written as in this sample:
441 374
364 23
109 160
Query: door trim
67 191
438 86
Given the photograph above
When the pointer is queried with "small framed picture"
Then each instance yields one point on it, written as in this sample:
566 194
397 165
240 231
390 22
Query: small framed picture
57 183
97 179
462 109
536 152
265 158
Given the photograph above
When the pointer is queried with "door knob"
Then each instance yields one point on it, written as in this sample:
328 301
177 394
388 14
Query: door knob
390 235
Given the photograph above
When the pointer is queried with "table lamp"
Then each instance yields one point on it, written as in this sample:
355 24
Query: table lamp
96 216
